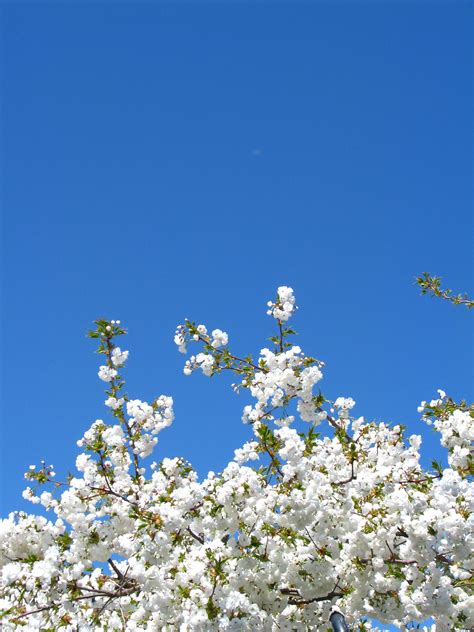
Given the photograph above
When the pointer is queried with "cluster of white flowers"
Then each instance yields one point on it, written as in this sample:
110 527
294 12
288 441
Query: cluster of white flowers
149 420
180 338
114 403
284 306
457 434
346 520
107 374
283 376
119 357
202 361
248 452
344 405
456 428
434 402
219 338
152 418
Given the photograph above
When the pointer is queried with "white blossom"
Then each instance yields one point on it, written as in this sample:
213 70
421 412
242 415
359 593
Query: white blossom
297 525
106 373
119 357
285 306
219 338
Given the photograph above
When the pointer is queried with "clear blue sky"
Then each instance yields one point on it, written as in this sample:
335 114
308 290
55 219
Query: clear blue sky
171 160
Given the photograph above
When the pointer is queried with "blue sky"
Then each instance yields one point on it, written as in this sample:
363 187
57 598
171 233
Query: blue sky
171 160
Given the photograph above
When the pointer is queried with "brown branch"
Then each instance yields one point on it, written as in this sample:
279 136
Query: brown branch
197 537
414 481
352 476
236 358
281 335
391 560
296 600
98 592
49 607
118 572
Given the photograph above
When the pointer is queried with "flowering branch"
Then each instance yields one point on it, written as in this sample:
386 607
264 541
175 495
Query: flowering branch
313 496
432 285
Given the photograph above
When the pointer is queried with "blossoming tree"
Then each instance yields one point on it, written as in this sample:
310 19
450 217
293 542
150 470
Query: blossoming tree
341 516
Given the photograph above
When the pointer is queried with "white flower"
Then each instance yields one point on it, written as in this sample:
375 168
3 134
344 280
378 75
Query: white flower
46 499
285 306
219 338
421 407
206 363
180 338
82 462
113 436
344 404
119 357
114 403
248 452
106 373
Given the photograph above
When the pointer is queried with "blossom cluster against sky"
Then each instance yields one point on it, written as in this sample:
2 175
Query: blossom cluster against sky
349 520
172 160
